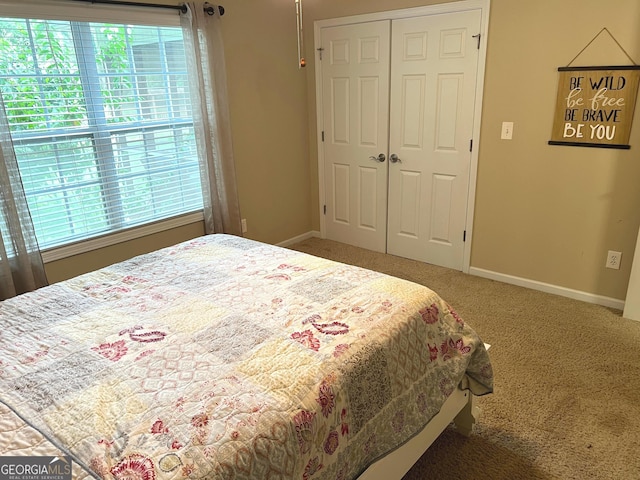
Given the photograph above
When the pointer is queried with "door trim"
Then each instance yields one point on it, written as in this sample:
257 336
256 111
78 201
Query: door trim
453 7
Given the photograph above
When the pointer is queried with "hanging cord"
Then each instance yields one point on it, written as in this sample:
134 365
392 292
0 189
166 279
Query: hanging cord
301 61
593 39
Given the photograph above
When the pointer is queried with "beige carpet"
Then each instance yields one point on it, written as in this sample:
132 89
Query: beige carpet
567 379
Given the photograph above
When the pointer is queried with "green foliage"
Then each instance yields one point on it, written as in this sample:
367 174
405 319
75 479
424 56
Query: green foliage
40 83
40 77
113 60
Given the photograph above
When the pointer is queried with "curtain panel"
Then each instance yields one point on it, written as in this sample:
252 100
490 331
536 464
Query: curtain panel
21 266
208 84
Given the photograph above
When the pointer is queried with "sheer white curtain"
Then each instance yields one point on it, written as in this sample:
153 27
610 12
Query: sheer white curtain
208 83
21 267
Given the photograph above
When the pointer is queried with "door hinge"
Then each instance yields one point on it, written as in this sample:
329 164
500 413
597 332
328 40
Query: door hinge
464 236
325 209
323 135
471 145
478 36
320 51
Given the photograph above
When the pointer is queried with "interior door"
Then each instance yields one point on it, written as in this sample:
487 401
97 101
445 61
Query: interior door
434 63
355 93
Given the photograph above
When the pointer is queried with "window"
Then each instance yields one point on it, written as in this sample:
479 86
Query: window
100 117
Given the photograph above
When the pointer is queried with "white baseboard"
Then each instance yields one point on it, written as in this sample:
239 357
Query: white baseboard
299 238
549 288
511 279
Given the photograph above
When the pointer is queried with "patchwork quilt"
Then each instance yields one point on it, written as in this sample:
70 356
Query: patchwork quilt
225 358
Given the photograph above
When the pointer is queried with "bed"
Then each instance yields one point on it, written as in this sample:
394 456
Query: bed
226 358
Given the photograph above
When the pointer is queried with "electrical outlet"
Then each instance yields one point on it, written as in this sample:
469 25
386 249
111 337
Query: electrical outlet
244 225
613 259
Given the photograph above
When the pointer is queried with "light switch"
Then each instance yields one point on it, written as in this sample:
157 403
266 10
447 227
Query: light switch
507 131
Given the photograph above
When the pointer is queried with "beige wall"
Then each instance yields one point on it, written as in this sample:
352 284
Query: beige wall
550 213
70 267
268 102
544 213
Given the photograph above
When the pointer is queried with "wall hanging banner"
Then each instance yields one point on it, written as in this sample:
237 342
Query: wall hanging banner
595 105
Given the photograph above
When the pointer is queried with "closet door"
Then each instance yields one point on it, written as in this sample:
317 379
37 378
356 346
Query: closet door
355 93
434 63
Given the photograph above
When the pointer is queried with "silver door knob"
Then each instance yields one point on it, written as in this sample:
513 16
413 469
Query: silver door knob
394 158
380 158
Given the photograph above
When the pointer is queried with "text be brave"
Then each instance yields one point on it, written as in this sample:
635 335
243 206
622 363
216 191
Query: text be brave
602 110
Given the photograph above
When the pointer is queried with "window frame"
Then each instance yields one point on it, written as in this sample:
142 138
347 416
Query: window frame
102 13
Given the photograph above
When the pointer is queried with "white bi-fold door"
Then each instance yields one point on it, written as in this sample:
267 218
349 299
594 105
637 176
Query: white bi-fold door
355 95
398 108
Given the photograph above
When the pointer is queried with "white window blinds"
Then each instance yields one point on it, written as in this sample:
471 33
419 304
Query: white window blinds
100 117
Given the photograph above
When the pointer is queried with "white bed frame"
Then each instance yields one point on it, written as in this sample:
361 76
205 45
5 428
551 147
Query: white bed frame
459 408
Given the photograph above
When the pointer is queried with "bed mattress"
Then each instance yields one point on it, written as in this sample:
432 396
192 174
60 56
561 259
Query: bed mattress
225 358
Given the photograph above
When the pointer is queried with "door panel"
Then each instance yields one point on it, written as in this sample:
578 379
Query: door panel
441 202
340 91
368 196
433 79
341 193
410 193
355 91
412 98
368 89
449 93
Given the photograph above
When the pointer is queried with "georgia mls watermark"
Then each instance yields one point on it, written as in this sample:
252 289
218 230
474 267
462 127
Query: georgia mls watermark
35 468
